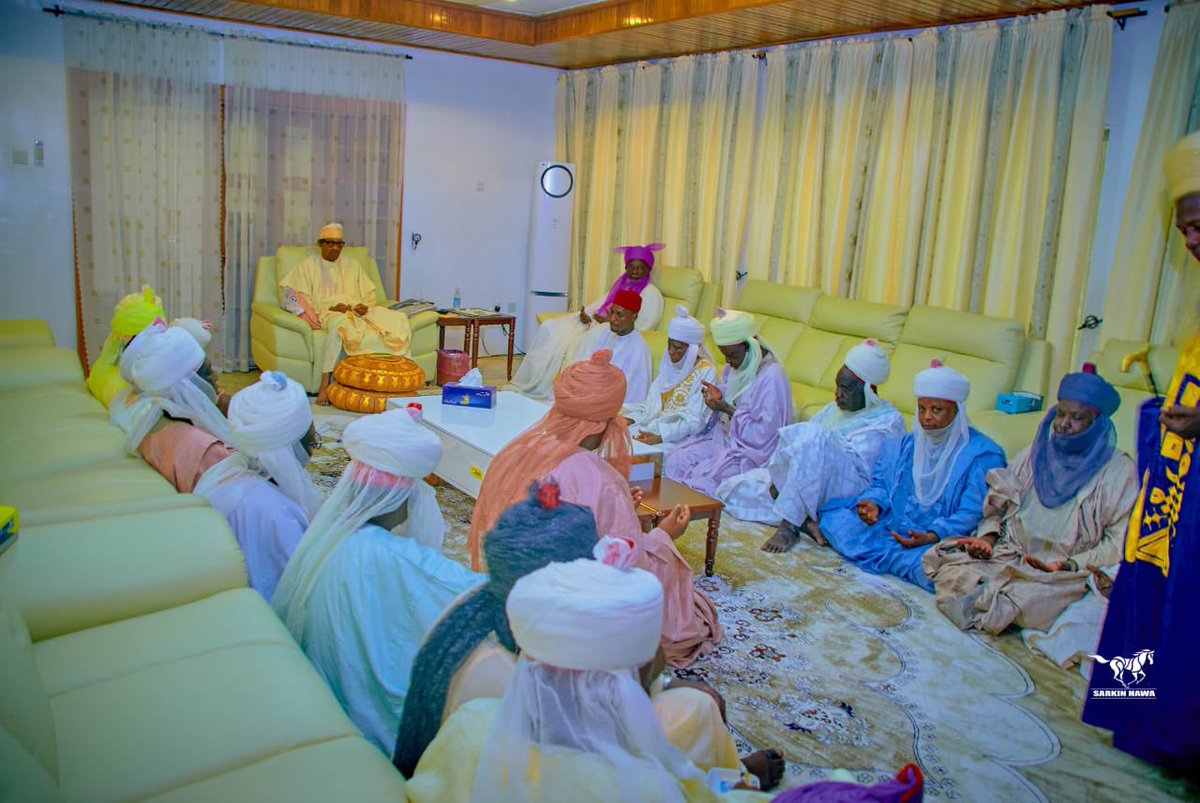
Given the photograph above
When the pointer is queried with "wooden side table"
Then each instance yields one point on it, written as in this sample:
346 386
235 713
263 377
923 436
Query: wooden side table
660 495
449 320
494 320
472 324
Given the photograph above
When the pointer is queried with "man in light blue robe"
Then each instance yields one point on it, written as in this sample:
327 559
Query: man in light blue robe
926 486
368 581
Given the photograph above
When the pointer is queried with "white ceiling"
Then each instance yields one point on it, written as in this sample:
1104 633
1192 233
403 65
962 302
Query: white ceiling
531 8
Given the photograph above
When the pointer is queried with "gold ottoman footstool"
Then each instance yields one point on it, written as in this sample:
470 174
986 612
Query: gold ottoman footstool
363 384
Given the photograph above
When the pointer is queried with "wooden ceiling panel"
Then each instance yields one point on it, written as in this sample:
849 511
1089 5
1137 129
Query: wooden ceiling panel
608 32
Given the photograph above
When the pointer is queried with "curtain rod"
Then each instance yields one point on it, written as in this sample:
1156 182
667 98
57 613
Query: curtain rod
59 11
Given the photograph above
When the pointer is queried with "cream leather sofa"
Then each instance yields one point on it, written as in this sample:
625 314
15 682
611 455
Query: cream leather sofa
280 341
136 664
811 333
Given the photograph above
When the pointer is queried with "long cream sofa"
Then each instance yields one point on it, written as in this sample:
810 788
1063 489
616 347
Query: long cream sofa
136 663
811 333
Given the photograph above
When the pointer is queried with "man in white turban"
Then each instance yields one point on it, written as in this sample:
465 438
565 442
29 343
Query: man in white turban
170 416
170 420
926 486
369 580
263 488
331 292
751 405
827 457
674 408
575 723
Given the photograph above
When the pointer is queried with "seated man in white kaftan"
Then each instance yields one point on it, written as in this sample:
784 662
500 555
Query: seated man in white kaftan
825 458
369 580
170 418
754 403
926 486
629 350
557 340
575 723
1058 513
331 292
674 408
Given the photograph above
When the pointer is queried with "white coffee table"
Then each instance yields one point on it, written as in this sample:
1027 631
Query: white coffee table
471 437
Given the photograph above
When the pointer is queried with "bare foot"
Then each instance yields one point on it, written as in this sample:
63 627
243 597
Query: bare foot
785 537
814 532
323 391
767 766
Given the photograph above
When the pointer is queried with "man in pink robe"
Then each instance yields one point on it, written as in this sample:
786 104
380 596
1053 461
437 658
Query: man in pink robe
583 444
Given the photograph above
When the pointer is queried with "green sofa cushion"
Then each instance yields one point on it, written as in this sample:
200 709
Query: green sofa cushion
986 350
678 286
781 312
859 319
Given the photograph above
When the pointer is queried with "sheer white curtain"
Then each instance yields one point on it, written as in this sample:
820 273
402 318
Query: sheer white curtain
311 136
145 141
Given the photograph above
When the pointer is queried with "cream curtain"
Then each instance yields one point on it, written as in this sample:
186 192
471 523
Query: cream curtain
958 167
663 152
145 140
1153 289
311 136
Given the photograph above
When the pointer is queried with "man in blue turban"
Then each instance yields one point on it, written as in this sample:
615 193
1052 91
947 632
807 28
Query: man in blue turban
1057 514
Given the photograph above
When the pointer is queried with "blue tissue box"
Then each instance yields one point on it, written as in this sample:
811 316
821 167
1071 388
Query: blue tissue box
458 396
1019 402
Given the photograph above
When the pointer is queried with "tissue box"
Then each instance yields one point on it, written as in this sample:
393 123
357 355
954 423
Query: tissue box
458 396
1019 402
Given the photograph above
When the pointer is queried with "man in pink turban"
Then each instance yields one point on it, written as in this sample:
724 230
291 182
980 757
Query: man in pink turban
558 340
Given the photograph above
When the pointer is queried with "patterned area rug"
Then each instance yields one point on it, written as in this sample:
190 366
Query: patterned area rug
843 669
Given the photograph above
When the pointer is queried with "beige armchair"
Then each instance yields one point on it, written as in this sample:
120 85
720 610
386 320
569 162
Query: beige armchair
280 341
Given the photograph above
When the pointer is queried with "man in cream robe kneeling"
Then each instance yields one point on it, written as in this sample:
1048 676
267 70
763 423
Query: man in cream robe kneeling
331 292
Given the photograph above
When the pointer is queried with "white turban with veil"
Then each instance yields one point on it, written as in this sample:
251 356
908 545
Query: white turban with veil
936 451
161 365
390 454
268 419
584 628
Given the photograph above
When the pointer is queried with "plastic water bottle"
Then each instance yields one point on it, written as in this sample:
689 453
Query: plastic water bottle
457 301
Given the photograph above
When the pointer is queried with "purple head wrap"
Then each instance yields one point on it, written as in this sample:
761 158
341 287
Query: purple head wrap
1063 465
631 252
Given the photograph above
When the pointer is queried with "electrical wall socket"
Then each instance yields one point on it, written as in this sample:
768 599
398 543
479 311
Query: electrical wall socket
512 306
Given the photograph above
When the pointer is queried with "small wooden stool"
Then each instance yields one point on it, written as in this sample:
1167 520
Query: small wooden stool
660 495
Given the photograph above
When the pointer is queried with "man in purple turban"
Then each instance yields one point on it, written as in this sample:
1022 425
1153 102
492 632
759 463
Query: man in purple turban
558 340
1054 517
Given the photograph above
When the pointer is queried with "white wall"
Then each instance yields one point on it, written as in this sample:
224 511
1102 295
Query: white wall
37 271
1134 52
472 122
